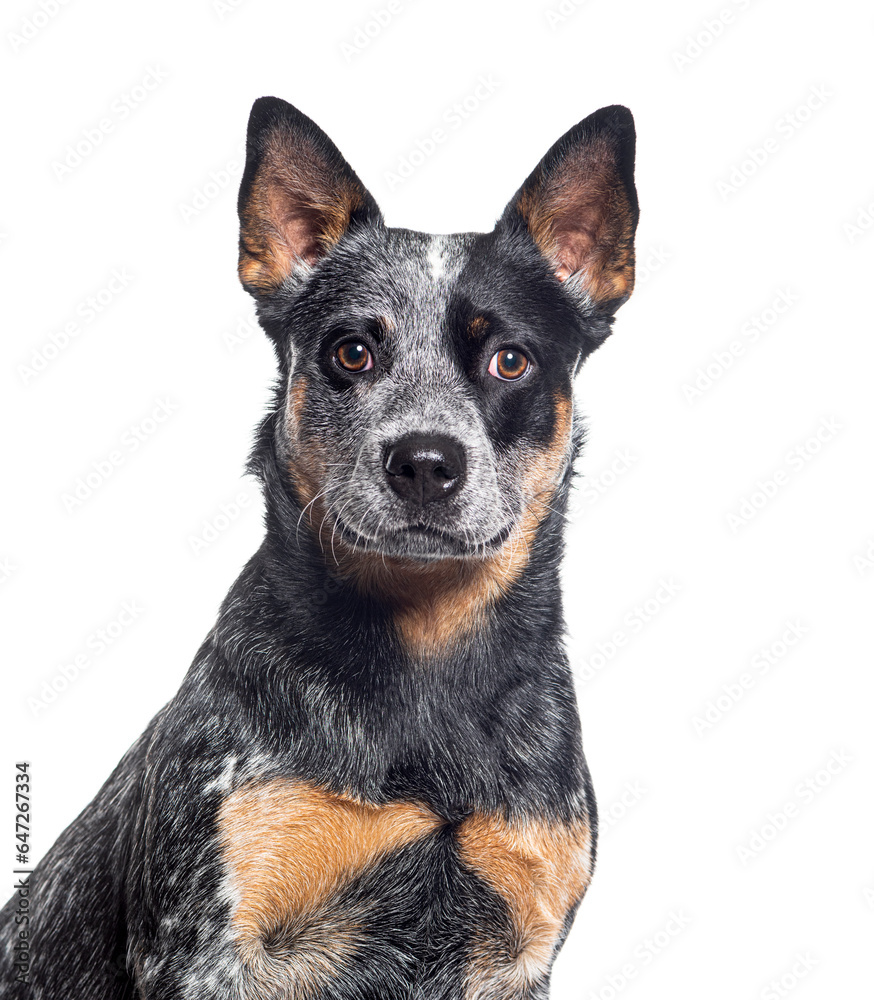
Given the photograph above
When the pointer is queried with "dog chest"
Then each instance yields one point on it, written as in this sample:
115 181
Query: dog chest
320 880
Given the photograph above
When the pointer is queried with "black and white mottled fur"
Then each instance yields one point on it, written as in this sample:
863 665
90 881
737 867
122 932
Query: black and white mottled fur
306 675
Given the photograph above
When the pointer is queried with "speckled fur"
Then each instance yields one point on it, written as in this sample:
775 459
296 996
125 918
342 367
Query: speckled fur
309 688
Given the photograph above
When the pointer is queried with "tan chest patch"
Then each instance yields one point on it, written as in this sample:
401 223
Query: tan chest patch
289 847
541 869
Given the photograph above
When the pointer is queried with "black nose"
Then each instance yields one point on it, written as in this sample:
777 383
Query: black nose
425 467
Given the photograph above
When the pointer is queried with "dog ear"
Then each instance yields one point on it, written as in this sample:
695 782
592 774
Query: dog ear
297 198
580 207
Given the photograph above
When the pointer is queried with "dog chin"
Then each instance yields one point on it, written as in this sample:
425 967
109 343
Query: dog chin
422 543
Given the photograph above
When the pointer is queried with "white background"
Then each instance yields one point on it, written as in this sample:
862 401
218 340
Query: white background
720 871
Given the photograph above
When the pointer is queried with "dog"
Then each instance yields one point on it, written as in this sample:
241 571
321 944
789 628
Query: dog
371 784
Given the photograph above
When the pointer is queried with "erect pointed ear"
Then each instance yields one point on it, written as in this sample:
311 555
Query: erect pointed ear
580 207
297 198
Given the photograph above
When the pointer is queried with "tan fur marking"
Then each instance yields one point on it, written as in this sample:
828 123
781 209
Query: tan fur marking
546 464
297 400
288 847
541 869
434 604
309 459
477 326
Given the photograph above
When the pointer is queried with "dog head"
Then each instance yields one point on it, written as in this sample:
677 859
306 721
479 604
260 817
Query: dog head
427 380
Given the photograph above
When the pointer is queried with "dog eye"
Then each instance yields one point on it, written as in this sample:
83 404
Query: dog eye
509 364
354 356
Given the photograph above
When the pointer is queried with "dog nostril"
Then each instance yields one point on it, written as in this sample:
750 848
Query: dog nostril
425 467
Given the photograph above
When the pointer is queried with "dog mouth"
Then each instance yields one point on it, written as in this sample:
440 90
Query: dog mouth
422 541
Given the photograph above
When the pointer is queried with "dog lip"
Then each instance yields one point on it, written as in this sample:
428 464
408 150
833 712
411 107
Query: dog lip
425 529
459 543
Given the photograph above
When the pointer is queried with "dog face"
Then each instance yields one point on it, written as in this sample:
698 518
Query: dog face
428 379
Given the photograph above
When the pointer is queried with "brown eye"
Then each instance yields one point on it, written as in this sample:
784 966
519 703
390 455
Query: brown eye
354 356
509 364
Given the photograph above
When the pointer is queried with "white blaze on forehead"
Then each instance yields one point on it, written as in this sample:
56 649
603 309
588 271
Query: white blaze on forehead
436 261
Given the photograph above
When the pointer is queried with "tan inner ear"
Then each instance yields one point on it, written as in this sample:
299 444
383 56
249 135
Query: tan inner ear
582 221
298 208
